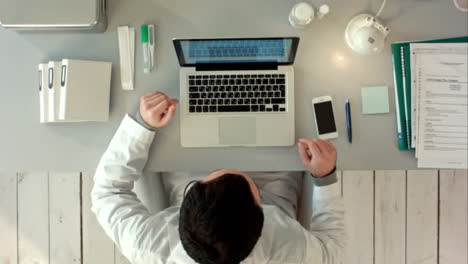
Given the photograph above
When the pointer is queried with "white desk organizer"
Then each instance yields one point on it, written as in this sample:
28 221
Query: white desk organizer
74 91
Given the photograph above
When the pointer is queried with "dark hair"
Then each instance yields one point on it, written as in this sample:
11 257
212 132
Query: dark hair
220 222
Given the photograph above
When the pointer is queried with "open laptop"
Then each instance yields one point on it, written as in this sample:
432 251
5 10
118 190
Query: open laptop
236 92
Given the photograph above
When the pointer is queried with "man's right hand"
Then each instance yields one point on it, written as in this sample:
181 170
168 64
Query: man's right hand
156 109
318 156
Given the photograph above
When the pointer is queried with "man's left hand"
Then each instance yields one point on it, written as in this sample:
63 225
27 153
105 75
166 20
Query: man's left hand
318 156
157 109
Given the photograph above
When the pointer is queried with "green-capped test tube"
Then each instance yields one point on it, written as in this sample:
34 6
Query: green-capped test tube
145 48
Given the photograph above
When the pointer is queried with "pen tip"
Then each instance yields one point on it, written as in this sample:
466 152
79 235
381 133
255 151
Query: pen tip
347 100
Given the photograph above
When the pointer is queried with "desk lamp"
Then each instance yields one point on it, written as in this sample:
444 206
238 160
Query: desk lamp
365 34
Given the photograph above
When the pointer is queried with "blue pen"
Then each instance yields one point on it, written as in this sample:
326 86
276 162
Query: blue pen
348 121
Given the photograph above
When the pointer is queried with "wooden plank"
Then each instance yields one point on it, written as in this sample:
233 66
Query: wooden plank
119 258
358 194
453 215
33 218
390 217
8 219
64 218
422 212
97 246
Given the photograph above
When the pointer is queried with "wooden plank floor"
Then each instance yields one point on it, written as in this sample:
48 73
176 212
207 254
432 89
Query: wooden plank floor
392 217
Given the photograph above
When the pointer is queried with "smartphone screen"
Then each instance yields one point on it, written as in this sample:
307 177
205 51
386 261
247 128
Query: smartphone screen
324 117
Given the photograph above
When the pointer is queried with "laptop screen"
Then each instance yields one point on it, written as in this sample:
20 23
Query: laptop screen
264 50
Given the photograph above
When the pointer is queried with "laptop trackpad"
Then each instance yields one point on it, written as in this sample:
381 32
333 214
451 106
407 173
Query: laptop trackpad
237 130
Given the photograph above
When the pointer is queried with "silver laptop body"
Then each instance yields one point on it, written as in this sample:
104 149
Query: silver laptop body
236 92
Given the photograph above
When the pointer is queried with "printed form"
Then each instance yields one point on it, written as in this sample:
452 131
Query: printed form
442 105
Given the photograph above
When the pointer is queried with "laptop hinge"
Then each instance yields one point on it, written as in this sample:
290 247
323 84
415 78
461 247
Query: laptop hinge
236 66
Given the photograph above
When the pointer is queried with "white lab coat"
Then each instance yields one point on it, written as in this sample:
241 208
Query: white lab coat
154 238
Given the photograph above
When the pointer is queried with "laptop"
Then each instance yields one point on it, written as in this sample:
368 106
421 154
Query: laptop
236 92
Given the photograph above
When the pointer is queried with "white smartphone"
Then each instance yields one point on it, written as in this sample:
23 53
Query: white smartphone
324 117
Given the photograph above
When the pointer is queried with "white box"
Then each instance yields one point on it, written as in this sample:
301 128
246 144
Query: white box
84 90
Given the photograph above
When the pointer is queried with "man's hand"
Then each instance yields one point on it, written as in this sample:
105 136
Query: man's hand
156 109
318 156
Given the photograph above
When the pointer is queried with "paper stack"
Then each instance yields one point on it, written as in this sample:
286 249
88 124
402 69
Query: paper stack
74 91
432 101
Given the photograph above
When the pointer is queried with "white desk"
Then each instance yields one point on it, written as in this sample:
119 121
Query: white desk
324 66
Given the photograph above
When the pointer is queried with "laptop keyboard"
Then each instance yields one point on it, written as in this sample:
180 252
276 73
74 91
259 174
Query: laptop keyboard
237 93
